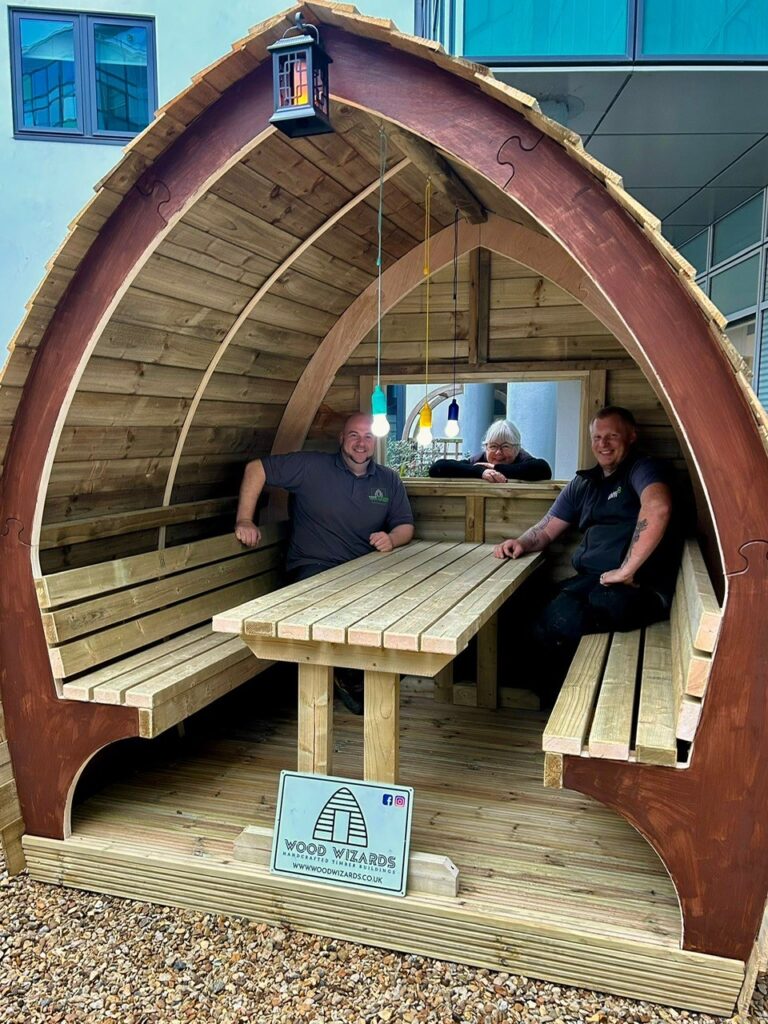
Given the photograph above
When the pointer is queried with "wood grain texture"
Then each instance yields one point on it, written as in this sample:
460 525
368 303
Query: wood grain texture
565 192
315 742
382 727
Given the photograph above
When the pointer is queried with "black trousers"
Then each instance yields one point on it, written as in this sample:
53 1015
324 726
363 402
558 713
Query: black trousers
582 605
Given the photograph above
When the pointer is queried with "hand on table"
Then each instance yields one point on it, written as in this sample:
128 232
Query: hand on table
248 533
511 548
494 476
381 541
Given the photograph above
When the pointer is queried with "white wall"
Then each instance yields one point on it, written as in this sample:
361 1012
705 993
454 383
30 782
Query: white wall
45 184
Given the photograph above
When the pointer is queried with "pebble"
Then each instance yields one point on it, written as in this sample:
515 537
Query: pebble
67 957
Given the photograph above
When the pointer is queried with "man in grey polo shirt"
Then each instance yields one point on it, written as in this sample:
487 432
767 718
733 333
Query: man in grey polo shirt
345 505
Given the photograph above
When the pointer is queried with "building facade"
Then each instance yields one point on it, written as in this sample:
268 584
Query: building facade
669 93
83 80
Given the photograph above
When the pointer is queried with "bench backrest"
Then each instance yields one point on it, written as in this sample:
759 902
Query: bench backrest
695 623
636 694
99 613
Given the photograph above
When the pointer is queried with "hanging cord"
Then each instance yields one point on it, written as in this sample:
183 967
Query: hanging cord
427 223
455 290
379 261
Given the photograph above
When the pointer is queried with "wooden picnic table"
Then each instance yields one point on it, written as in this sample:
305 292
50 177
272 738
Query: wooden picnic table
409 611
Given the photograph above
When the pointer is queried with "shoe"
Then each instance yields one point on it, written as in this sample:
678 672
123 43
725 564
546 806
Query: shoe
351 700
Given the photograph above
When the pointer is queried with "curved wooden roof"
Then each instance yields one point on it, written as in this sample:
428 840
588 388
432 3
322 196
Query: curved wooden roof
216 299
195 365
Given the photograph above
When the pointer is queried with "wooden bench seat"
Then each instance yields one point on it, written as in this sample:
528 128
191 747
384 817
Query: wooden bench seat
632 696
137 631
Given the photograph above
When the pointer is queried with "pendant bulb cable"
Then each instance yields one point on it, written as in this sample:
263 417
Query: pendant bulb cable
378 398
452 424
424 437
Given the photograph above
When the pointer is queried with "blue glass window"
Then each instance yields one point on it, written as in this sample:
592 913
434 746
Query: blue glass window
708 28
556 29
80 76
48 73
736 288
121 56
738 230
695 251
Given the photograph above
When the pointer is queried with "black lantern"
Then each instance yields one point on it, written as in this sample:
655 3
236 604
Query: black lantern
300 76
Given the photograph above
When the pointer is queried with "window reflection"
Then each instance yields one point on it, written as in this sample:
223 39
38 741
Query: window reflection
121 77
48 74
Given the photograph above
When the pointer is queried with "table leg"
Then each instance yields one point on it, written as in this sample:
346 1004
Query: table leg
444 685
381 757
315 719
487 691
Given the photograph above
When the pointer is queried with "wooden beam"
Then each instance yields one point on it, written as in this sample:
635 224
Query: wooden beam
427 872
315 752
382 727
592 401
487 647
432 163
479 306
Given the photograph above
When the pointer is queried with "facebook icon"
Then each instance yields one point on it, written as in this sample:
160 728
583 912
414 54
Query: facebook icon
387 799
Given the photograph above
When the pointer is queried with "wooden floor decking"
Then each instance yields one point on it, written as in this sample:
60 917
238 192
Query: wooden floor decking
551 883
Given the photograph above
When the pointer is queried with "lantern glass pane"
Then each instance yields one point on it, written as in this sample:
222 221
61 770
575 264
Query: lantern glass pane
292 79
319 93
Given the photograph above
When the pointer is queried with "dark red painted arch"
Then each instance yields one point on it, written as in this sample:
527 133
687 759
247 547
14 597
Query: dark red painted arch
707 821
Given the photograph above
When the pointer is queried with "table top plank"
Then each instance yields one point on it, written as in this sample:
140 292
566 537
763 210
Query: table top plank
301 625
371 630
405 634
452 632
428 597
233 620
324 585
334 627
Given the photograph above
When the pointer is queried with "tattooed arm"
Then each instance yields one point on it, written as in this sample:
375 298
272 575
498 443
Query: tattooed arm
534 539
652 521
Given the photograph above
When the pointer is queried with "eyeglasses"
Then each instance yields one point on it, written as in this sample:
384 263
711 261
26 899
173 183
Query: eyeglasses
500 447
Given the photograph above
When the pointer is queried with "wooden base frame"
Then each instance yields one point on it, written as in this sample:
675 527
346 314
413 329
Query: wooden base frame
550 885
704 821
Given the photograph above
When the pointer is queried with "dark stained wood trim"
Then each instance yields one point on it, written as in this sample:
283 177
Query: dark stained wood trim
708 822
51 739
578 212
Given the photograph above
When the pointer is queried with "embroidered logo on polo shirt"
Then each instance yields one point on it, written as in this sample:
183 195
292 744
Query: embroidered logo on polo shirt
379 497
615 494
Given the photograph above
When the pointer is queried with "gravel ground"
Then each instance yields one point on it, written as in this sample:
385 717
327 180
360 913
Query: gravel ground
68 956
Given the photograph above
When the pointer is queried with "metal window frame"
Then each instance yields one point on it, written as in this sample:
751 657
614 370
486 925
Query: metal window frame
90 22
449 15
16 15
685 58
83 23
548 60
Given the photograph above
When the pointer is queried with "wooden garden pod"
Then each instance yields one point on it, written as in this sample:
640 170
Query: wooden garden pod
215 301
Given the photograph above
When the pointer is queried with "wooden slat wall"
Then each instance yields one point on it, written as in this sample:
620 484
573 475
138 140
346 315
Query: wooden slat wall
119 441
117 447
628 387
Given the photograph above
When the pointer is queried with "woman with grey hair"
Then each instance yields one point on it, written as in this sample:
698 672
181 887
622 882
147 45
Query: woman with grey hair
501 459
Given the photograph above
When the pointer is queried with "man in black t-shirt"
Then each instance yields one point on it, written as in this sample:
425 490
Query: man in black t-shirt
627 562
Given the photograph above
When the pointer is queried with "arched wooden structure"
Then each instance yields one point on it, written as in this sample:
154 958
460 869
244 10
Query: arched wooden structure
216 299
